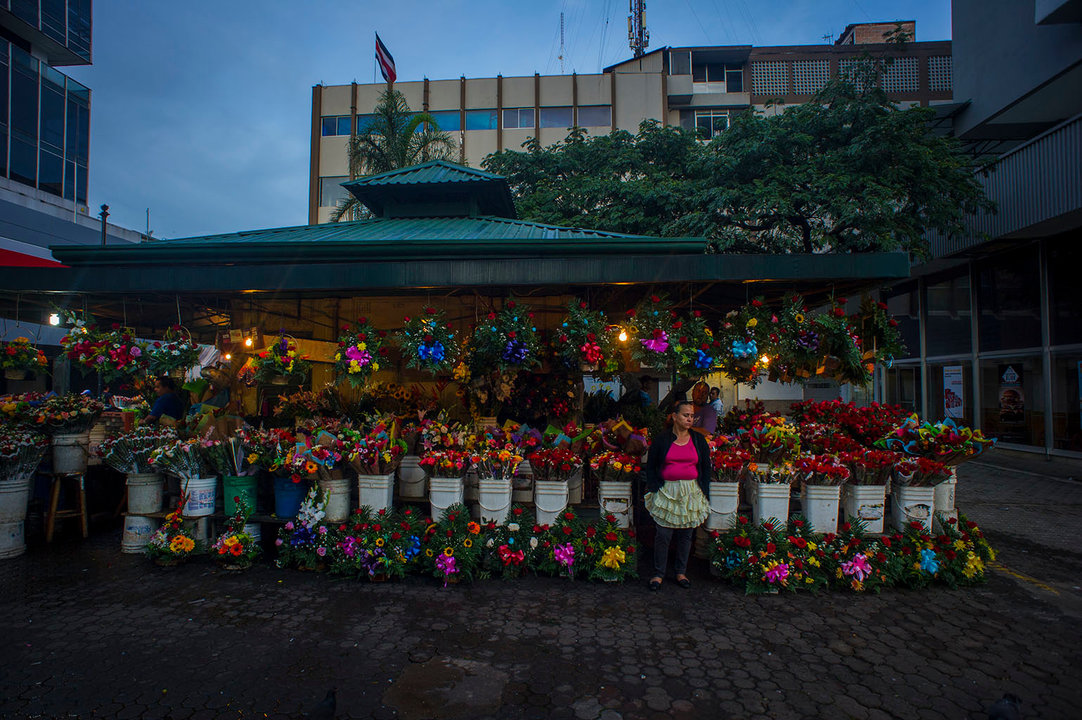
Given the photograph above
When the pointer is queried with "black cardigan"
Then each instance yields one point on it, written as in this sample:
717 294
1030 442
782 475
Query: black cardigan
659 449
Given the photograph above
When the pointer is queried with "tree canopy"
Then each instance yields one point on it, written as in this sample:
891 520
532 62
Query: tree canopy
848 171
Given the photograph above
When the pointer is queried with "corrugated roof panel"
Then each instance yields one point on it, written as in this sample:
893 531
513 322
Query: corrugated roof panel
433 171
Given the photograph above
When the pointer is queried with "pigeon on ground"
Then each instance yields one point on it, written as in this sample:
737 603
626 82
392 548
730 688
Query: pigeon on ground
1006 708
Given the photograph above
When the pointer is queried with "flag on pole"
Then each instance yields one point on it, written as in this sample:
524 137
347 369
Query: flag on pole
385 60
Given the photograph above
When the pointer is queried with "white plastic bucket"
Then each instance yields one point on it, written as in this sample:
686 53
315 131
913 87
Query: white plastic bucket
337 493
549 499
12 539
494 500
772 502
411 479
912 504
945 493
15 498
443 492
255 530
522 486
867 503
574 488
202 493
70 453
137 532
724 504
614 498
95 438
375 491
201 531
820 503
144 493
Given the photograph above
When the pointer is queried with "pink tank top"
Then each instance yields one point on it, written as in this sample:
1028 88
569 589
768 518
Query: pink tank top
681 463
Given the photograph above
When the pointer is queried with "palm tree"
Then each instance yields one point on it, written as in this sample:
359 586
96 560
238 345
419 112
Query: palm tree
396 137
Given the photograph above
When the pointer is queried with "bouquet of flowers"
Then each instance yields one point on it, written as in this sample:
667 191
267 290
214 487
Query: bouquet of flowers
772 440
745 337
729 463
506 341
511 549
879 335
697 350
19 356
281 359
310 457
584 338
920 472
306 541
172 543
114 353
185 459
67 414
453 546
611 549
236 548
821 469
359 352
945 442
428 342
378 545
20 410
614 466
840 346
792 334
446 463
554 464
20 453
307 404
376 452
230 457
130 453
654 343
439 435
497 461
870 467
268 449
176 351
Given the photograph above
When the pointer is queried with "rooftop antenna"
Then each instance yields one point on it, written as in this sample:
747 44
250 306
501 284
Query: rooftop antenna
561 55
829 37
637 35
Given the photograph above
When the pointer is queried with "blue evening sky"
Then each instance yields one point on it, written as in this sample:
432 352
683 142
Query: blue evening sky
201 111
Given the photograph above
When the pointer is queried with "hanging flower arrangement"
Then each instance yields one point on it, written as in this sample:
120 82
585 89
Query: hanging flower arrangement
840 346
697 350
20 356
506 341
652 329
585 339
428 342
879 335
359 352
745 341
281 359
115 353
797 339
175 351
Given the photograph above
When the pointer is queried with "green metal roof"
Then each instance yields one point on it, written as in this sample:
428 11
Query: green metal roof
436 187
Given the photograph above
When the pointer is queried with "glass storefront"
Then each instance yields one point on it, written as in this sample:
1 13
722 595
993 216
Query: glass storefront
903 306
1065 291
950 391
1067 401
1012 400
948 329
1010 300
903 387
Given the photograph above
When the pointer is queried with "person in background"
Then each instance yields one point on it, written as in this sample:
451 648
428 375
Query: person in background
677 488
168 404
644 391
706 418
715 401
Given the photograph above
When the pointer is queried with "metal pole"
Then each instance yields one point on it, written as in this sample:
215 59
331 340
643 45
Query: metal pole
104 214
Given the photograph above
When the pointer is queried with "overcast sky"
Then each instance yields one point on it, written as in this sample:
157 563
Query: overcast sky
201 111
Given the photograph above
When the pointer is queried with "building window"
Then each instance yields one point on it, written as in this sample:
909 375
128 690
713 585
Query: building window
1012 403
810 76
1010 302
680 62
1067 401
902 75
734 79
950 391
949 328
595 116
902 304
556 117
711 122
939 74
903 387
770 78
447 120
519 118
336 125
331 191
1065 292
481 119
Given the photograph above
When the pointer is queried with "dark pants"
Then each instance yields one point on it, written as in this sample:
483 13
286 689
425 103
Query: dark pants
661 549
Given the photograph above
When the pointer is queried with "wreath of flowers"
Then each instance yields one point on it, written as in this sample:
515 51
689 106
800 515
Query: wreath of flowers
505 341
175 351
428 342
115 353
20 354
652 331
359 352
281 359
585 338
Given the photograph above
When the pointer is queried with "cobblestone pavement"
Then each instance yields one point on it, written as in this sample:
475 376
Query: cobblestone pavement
88 632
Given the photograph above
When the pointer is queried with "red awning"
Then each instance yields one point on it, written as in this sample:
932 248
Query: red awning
10 258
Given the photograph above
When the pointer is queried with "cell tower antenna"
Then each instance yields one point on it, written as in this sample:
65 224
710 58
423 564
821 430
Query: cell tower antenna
561 55
638 36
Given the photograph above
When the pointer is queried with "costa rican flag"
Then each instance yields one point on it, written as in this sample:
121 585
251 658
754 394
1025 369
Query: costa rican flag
385 60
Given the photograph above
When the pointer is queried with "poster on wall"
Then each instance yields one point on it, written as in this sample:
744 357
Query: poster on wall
1012 404
953 392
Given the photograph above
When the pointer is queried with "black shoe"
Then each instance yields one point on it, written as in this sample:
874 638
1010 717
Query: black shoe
684 583
655 585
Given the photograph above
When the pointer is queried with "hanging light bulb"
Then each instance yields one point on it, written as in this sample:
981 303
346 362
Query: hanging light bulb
54 319
765 360
229 356
247 342
623 335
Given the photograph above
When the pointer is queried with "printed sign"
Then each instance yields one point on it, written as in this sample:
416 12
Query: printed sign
1012 404
953 392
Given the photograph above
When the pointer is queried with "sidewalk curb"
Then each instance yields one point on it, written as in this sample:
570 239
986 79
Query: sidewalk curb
1004 468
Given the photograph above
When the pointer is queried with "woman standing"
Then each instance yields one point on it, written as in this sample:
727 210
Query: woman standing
677 487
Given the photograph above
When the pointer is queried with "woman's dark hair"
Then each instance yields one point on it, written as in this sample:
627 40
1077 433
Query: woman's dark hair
167 382
675 409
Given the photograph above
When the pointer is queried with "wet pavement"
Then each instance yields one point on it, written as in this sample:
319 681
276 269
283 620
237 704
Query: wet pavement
88 632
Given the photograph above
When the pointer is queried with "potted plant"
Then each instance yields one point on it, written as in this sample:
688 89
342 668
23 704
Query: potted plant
615 472
652 332
730 464
608 545
772 443
585 340
187 460
821 478
505 341
174 354
378 545
114 353
68 418
236 548
19 358
359 352
428 342
281 363
552 469
375 456
452 546
446 471
496 464
20 453
864 493
172 543
231 458
697 350
913 490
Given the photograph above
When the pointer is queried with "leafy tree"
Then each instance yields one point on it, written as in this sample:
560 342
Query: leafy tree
846 172
395 138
